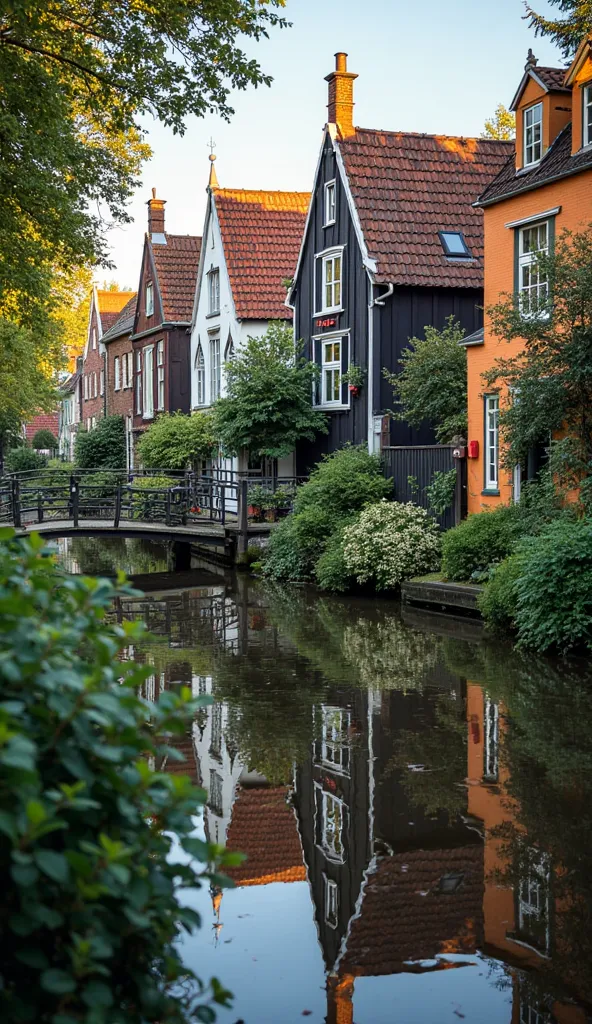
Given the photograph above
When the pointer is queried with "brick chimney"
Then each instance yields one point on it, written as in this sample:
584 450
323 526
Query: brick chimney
156 216
341 97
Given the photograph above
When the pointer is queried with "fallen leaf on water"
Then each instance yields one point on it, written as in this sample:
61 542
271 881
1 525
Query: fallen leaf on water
306 1013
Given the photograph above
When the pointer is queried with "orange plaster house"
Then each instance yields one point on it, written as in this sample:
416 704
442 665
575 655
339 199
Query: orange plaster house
545 186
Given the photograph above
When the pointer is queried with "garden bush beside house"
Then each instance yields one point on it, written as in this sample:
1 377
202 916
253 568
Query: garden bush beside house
479 541
391 542
103 447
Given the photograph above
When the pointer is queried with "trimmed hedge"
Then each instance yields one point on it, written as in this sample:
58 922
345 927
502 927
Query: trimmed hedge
478 542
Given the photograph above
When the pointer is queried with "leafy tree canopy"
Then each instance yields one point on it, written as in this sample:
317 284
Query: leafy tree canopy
432 382
501 126
568 31
176 441
103 447
44 439
268 407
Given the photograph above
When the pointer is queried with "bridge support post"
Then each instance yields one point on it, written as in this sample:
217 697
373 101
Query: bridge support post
117 515
243 519
74 496
15 498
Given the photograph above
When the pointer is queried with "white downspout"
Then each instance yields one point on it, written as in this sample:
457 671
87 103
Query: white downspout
378 301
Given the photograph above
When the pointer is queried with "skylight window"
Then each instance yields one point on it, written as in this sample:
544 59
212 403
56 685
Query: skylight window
454 244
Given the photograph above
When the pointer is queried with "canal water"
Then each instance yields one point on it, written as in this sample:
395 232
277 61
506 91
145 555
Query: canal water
415 803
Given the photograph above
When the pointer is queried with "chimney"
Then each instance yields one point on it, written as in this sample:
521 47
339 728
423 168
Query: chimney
156 218
341 97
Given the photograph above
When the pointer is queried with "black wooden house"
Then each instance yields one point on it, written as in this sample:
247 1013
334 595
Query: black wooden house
392 243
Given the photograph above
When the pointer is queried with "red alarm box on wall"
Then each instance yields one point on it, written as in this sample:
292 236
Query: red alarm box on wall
473 450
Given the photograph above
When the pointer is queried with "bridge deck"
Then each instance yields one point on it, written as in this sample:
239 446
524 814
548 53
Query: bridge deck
205 530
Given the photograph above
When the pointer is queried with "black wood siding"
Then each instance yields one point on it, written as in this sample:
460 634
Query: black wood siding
179 370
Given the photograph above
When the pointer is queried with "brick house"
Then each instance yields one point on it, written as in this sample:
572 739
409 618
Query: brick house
162 321
120 371
105 307
544 187
42 421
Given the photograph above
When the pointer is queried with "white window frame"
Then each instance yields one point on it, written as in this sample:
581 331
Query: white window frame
94 337
160 375
329 260
333 747
527 269
95 385
530 141
213 291
490 739
86 387
200 375
534 897
116 375
491 442
587 115
149 298
331 902
130 369
148 383
139 381
216 794
330 840
329 203
215 368
102 382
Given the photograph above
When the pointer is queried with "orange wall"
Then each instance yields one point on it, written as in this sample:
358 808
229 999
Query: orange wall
574 196
583 77
555 117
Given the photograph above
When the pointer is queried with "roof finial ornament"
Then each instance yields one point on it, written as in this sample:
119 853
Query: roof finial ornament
531 61
213 182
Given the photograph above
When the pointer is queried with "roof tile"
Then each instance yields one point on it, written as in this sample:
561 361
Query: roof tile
264 827
43 421
124 322
556 163
176 266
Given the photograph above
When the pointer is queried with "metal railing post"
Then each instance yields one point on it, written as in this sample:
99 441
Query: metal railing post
168 507
117 515
16 501
74 499
243 520
223 505
39 506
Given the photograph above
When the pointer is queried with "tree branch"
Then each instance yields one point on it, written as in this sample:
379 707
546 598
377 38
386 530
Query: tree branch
59 58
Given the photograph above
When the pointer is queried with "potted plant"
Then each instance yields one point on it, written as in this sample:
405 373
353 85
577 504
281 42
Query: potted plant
256 497
284 499
355 378
270 508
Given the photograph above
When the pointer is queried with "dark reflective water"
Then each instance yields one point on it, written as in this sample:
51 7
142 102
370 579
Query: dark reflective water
415 804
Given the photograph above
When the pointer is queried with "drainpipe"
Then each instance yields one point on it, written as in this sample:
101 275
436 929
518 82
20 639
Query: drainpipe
378 301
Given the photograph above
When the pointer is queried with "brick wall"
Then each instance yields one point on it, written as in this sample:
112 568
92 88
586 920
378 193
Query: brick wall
120 401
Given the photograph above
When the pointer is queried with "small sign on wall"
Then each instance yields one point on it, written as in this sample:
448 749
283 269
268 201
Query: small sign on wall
329 321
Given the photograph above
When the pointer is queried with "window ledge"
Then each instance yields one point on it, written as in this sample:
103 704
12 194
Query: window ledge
490 491
210 315
150 416
329 223
332 408
328 312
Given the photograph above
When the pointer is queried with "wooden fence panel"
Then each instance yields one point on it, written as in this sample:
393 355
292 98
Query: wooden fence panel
412 471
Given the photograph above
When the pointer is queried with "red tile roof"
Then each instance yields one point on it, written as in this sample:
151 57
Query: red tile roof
261 233
111 301
407 188
176 267
108 320
405 918
43 421
264 827
552 78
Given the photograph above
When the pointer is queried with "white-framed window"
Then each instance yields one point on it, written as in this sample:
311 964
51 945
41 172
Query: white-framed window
149 298
139 381
331 371
94 337
215 368
95 384
215 800
214 290
587 111
333 747
534 902
160 372
530 1015
331 282
330 821
116 374
102 383
93 422
200 375
130 369
331 902
490 740
229 350
329 210
533 134
216 735
148 383
491 442
86 387
533 286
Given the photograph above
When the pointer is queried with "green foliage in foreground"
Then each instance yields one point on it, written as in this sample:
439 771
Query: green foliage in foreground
498 602
90 919
103 447
177 441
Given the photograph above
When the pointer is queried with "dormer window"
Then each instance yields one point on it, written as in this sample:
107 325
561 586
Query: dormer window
587 127
329 204
533 134
149 298
453 243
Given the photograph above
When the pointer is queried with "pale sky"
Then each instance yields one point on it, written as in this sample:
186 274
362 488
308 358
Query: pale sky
423 65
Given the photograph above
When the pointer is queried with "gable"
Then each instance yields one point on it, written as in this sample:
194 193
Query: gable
147 274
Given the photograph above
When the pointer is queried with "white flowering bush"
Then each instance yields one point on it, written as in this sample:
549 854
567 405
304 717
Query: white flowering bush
391 542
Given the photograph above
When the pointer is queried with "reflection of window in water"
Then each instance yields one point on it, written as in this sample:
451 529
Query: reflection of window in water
491 740
330 816
534 903
529 1015
332 749
150 688
216 741
215 798
331 902
202 685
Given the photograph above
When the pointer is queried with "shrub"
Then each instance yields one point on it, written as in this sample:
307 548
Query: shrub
91 921
148 506
103 447
478 542
331 572
554 590
498 602
440 493
21 460
44 439
251 556
175 441
391 542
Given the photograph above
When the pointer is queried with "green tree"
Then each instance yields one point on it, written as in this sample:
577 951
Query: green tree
501 126
268 407
568 32
44 439
432 383
103 447
176 441
91 922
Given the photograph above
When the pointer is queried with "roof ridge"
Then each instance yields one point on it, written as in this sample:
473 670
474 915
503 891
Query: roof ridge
268 191
426 135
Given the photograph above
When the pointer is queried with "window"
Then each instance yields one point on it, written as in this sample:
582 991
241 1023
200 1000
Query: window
229 350
534 902
149 298
587 127
200 376
124 370
214 291
102 385
491 740
215 800
533 286
529 1015
331 372
329 204
116 382
130 369
86 387
138 382
533 134
94 337
331 902
95 385
331 282
214 368
148 383
491 442
216 739
329 824
453 243
332 749
160 371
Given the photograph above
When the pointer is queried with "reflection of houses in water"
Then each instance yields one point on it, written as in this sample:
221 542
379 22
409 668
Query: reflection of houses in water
393 888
